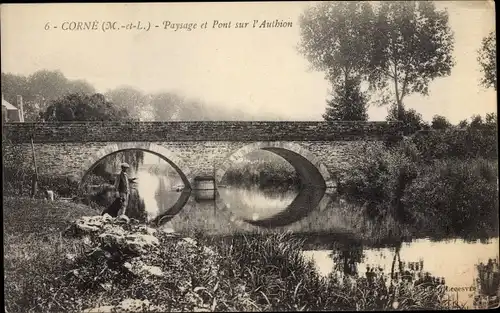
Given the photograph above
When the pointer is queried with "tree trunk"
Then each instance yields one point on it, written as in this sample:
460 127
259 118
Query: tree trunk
398 99
34 186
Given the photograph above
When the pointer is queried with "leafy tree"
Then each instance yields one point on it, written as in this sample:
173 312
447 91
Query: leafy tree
129 99
194 110
488 61
348 103
463 124
335 38
399 46
412 45
83 107
14 85
440 122
47 84
81 86
166 106
491 119
38 89
412 121
476 121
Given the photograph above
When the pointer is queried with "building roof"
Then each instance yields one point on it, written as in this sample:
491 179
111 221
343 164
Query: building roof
7 105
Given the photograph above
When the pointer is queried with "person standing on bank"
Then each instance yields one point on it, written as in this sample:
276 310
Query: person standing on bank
123 188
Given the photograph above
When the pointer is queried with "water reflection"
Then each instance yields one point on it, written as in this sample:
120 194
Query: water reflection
346 257
154 188
169 212
488 284
161 194
254 203
158 197
451 262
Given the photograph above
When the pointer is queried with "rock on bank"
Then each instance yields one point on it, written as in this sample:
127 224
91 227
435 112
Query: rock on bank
126 266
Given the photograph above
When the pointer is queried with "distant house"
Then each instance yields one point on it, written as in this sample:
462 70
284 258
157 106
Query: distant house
10 113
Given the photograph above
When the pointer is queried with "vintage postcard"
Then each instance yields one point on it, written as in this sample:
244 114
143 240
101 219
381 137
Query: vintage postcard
250 156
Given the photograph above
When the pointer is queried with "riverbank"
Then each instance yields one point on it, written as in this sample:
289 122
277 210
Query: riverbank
46 271
445 197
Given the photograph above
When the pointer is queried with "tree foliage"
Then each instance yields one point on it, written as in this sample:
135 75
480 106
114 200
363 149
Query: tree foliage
348 103
477 121
411 120
335 38
463 124
412 45
129 99
440 122
397 46
491 119
39 89
488 61
83 107
166 106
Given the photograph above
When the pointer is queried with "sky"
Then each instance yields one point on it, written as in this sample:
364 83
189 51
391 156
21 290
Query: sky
257 70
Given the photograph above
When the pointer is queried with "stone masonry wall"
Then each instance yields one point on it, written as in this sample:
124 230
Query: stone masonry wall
71 149
197 131
195 158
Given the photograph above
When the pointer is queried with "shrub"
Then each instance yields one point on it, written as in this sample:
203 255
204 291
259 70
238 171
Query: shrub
18 182
456 143
63 186
93 179
378 178
429 193
263 173
455 197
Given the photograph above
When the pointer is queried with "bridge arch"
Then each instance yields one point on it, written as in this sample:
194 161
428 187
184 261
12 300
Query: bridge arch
309 167
165 154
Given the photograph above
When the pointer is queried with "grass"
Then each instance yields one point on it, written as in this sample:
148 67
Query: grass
243 274
33 247
278 278
35 216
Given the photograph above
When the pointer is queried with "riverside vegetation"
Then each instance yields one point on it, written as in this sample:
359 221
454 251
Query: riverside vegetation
122 265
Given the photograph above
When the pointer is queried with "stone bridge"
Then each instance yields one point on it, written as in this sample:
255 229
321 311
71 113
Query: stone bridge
317 150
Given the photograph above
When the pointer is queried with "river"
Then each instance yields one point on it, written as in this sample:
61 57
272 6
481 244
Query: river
333 229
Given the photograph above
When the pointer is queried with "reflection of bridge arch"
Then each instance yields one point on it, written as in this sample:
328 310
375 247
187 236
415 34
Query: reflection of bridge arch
305 202
183 171
310 169
173 211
